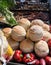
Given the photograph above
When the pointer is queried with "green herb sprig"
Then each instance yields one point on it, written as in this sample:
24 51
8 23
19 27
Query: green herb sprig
4 9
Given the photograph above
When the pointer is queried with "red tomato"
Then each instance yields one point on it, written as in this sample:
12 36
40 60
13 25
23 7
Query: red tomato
49 43
48 60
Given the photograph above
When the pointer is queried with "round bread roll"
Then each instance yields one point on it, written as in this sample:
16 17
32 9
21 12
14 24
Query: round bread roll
46 27
14 44
26 46
40 23
7 31
24 22
18 33
46 35
41 48
35 33
37 22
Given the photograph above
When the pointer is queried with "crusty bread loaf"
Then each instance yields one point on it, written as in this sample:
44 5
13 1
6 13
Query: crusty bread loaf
26 46
40 23
37 22
46 27
41 48
7 31
46 35
35 33
24 22
14 44
18 33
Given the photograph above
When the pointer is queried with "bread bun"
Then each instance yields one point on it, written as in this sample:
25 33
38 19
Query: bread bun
46 35
40 23
24 22
7 31
35 33
14 44
26 46
41 48
37 22
18 33
46 27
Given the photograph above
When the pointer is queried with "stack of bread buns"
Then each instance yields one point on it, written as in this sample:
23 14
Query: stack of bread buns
28 36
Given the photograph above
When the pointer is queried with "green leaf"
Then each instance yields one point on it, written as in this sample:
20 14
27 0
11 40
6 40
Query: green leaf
7 3
4 9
